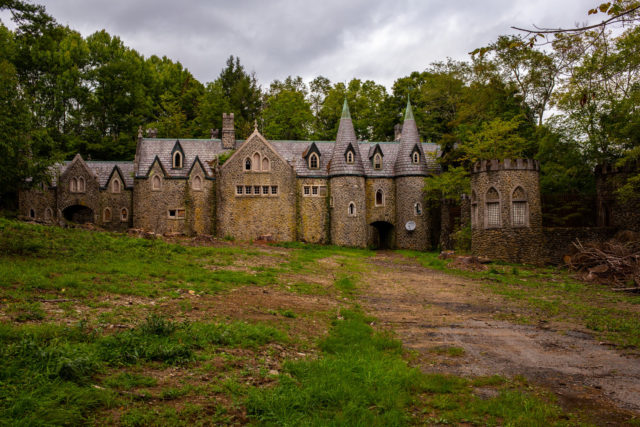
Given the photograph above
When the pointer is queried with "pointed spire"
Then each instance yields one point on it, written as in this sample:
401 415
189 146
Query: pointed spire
408 114
345 110
346 141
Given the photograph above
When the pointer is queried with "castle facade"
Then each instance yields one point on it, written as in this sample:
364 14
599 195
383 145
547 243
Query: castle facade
345 192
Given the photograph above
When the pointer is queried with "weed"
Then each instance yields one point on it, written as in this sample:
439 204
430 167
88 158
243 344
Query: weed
23 312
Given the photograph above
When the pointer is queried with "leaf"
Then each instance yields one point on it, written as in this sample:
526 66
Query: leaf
593 11
604 7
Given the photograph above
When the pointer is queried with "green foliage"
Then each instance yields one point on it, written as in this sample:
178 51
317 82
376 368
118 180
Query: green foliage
449 185
287 114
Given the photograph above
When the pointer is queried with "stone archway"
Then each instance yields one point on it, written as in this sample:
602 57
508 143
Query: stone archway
383 235
78 214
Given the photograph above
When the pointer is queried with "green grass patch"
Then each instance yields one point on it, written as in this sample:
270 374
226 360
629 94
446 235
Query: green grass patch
49 371
448 351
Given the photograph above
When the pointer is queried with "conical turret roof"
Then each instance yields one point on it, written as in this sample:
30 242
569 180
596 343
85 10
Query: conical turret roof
346 141
410 143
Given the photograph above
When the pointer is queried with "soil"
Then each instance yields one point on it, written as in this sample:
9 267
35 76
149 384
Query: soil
431 311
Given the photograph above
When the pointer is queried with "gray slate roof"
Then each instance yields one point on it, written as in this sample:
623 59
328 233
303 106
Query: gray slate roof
292 152
346 136
408 141
102 170
204 149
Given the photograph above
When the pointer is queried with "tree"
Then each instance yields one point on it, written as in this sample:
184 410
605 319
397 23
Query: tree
287 113
243 94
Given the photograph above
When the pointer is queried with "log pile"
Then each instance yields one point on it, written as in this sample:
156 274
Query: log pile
614 263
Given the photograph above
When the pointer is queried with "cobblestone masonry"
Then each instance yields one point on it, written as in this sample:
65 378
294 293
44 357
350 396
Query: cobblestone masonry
247 217
313 215
408 193
347 229
504 240
384 213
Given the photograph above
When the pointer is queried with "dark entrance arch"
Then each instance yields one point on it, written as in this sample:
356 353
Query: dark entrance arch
383 235
78 214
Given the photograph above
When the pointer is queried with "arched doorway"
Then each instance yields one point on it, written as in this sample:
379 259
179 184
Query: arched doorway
78 214
383 235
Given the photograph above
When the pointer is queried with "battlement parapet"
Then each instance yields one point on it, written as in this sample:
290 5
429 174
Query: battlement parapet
506 164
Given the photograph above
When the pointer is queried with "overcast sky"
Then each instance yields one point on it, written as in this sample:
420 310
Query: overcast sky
380 40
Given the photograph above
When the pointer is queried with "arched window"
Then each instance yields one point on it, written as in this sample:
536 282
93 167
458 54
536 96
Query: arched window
314 162
417 209
177 160
197 183
115 186
106 215
474 209
73 185
519 208
492 213
265 164
379 198
81 185
48 214
247 164
352 209
156 183
377 161
415 157
124 215
350 156
32 213
256 162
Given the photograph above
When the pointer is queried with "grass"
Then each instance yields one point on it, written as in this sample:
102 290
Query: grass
363 379
551 294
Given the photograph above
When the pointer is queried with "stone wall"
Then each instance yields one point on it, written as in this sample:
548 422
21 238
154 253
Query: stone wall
151 207
313 212
38 199
408 193
89 198
116 202
558 241
247 217
385 213
506 240
346 229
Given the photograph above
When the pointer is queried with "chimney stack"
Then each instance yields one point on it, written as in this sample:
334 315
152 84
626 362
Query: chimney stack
228 131
398 131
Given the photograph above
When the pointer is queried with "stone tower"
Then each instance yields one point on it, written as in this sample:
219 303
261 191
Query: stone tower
410 169
347 187
506 215
228 132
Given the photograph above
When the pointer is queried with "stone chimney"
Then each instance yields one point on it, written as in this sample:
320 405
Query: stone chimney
228 131
398 132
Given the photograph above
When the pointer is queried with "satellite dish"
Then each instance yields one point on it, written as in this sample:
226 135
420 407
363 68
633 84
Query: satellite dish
410 226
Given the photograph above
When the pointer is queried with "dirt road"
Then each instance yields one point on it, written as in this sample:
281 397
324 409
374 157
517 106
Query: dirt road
432 311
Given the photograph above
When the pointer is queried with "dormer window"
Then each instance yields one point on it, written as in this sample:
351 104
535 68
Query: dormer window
377 161
350 157
415 157
314 161
177 160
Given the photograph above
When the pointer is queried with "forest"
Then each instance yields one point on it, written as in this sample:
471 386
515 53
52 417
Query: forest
569 98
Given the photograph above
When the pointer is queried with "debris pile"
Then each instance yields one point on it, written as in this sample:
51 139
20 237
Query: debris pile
615 263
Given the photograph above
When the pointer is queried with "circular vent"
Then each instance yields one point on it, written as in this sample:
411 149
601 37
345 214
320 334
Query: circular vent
410 226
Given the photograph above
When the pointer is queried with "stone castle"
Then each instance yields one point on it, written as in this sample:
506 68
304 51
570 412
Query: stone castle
344 192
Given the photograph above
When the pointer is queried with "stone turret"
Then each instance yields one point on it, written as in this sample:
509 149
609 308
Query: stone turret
228 132
347 187
506 214
412 216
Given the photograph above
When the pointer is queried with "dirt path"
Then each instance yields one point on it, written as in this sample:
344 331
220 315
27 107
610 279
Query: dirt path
431 310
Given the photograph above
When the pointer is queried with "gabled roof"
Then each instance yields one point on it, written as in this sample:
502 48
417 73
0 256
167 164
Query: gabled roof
346 137
102 171
204 149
